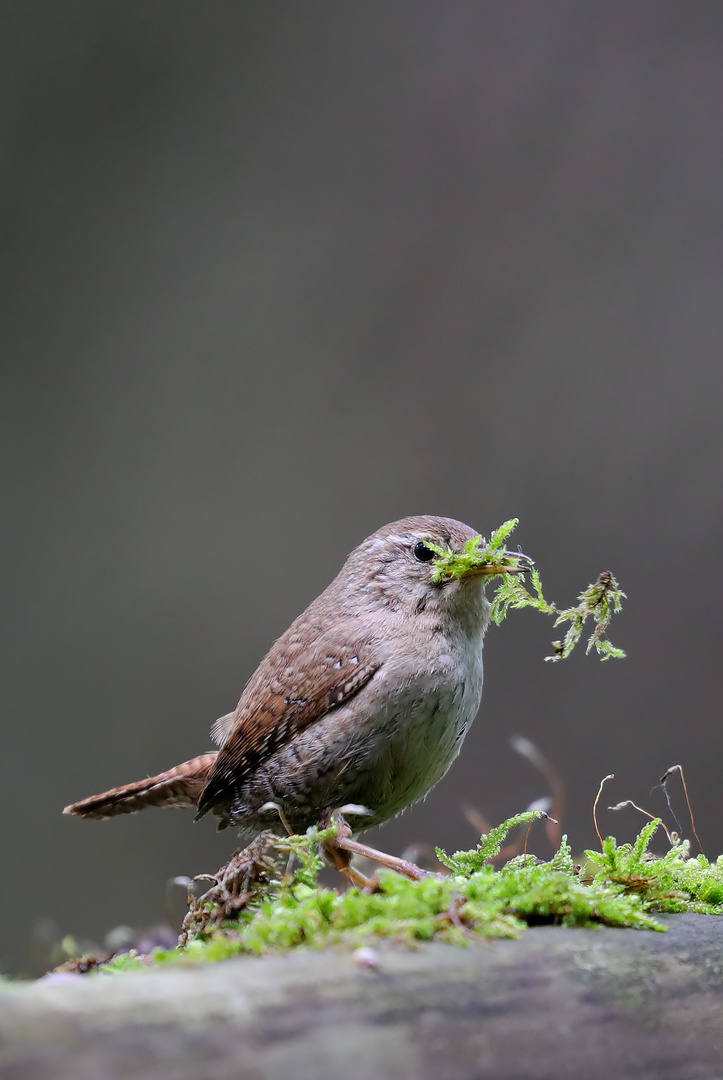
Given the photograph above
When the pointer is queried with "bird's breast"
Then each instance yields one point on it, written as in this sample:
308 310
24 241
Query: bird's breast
419 714
386 747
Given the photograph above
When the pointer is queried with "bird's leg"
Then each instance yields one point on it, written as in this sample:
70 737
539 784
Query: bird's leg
408 869
343 845
342 861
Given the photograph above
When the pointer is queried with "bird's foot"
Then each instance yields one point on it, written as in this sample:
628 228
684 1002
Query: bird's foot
234 886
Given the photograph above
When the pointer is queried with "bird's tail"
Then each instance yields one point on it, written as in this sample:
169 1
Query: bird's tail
180 786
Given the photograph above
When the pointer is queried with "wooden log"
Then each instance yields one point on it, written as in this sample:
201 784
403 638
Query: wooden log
556 1003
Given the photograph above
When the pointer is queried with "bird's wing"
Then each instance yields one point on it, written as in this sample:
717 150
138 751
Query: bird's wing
295 686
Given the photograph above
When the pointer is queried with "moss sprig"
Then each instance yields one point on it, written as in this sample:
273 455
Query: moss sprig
672 882
478 552
599 601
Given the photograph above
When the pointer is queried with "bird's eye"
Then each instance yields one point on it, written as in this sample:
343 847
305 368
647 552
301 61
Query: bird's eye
422 552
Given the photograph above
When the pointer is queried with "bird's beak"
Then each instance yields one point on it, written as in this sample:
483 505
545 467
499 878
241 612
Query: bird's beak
509 562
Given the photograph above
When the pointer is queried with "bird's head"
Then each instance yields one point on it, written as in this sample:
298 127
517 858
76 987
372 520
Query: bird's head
429 564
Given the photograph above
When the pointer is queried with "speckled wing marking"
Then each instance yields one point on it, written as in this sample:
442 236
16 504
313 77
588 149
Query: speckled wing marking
291 690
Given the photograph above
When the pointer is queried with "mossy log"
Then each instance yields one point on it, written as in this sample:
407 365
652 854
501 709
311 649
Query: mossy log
555 1003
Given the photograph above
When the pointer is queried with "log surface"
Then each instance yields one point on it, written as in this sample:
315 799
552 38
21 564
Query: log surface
555 1003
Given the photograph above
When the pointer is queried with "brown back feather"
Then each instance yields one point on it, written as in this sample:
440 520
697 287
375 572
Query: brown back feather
305 682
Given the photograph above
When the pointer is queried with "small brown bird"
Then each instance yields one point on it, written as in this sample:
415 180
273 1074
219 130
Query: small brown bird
364 700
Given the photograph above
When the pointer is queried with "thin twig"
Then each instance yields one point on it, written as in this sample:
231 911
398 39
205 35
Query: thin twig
528 750
282 816
527 837
663 782
653 817
476 819
610 776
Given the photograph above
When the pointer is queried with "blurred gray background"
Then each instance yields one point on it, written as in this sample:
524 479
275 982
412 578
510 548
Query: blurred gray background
277 273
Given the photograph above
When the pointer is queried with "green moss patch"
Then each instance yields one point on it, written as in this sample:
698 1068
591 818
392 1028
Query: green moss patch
622 885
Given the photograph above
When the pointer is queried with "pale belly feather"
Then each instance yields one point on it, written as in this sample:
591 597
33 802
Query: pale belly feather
384 750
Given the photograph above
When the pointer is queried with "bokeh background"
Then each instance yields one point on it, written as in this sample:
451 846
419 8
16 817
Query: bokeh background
277 273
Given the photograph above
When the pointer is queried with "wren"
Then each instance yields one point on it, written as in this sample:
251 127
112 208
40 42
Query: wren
365 700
